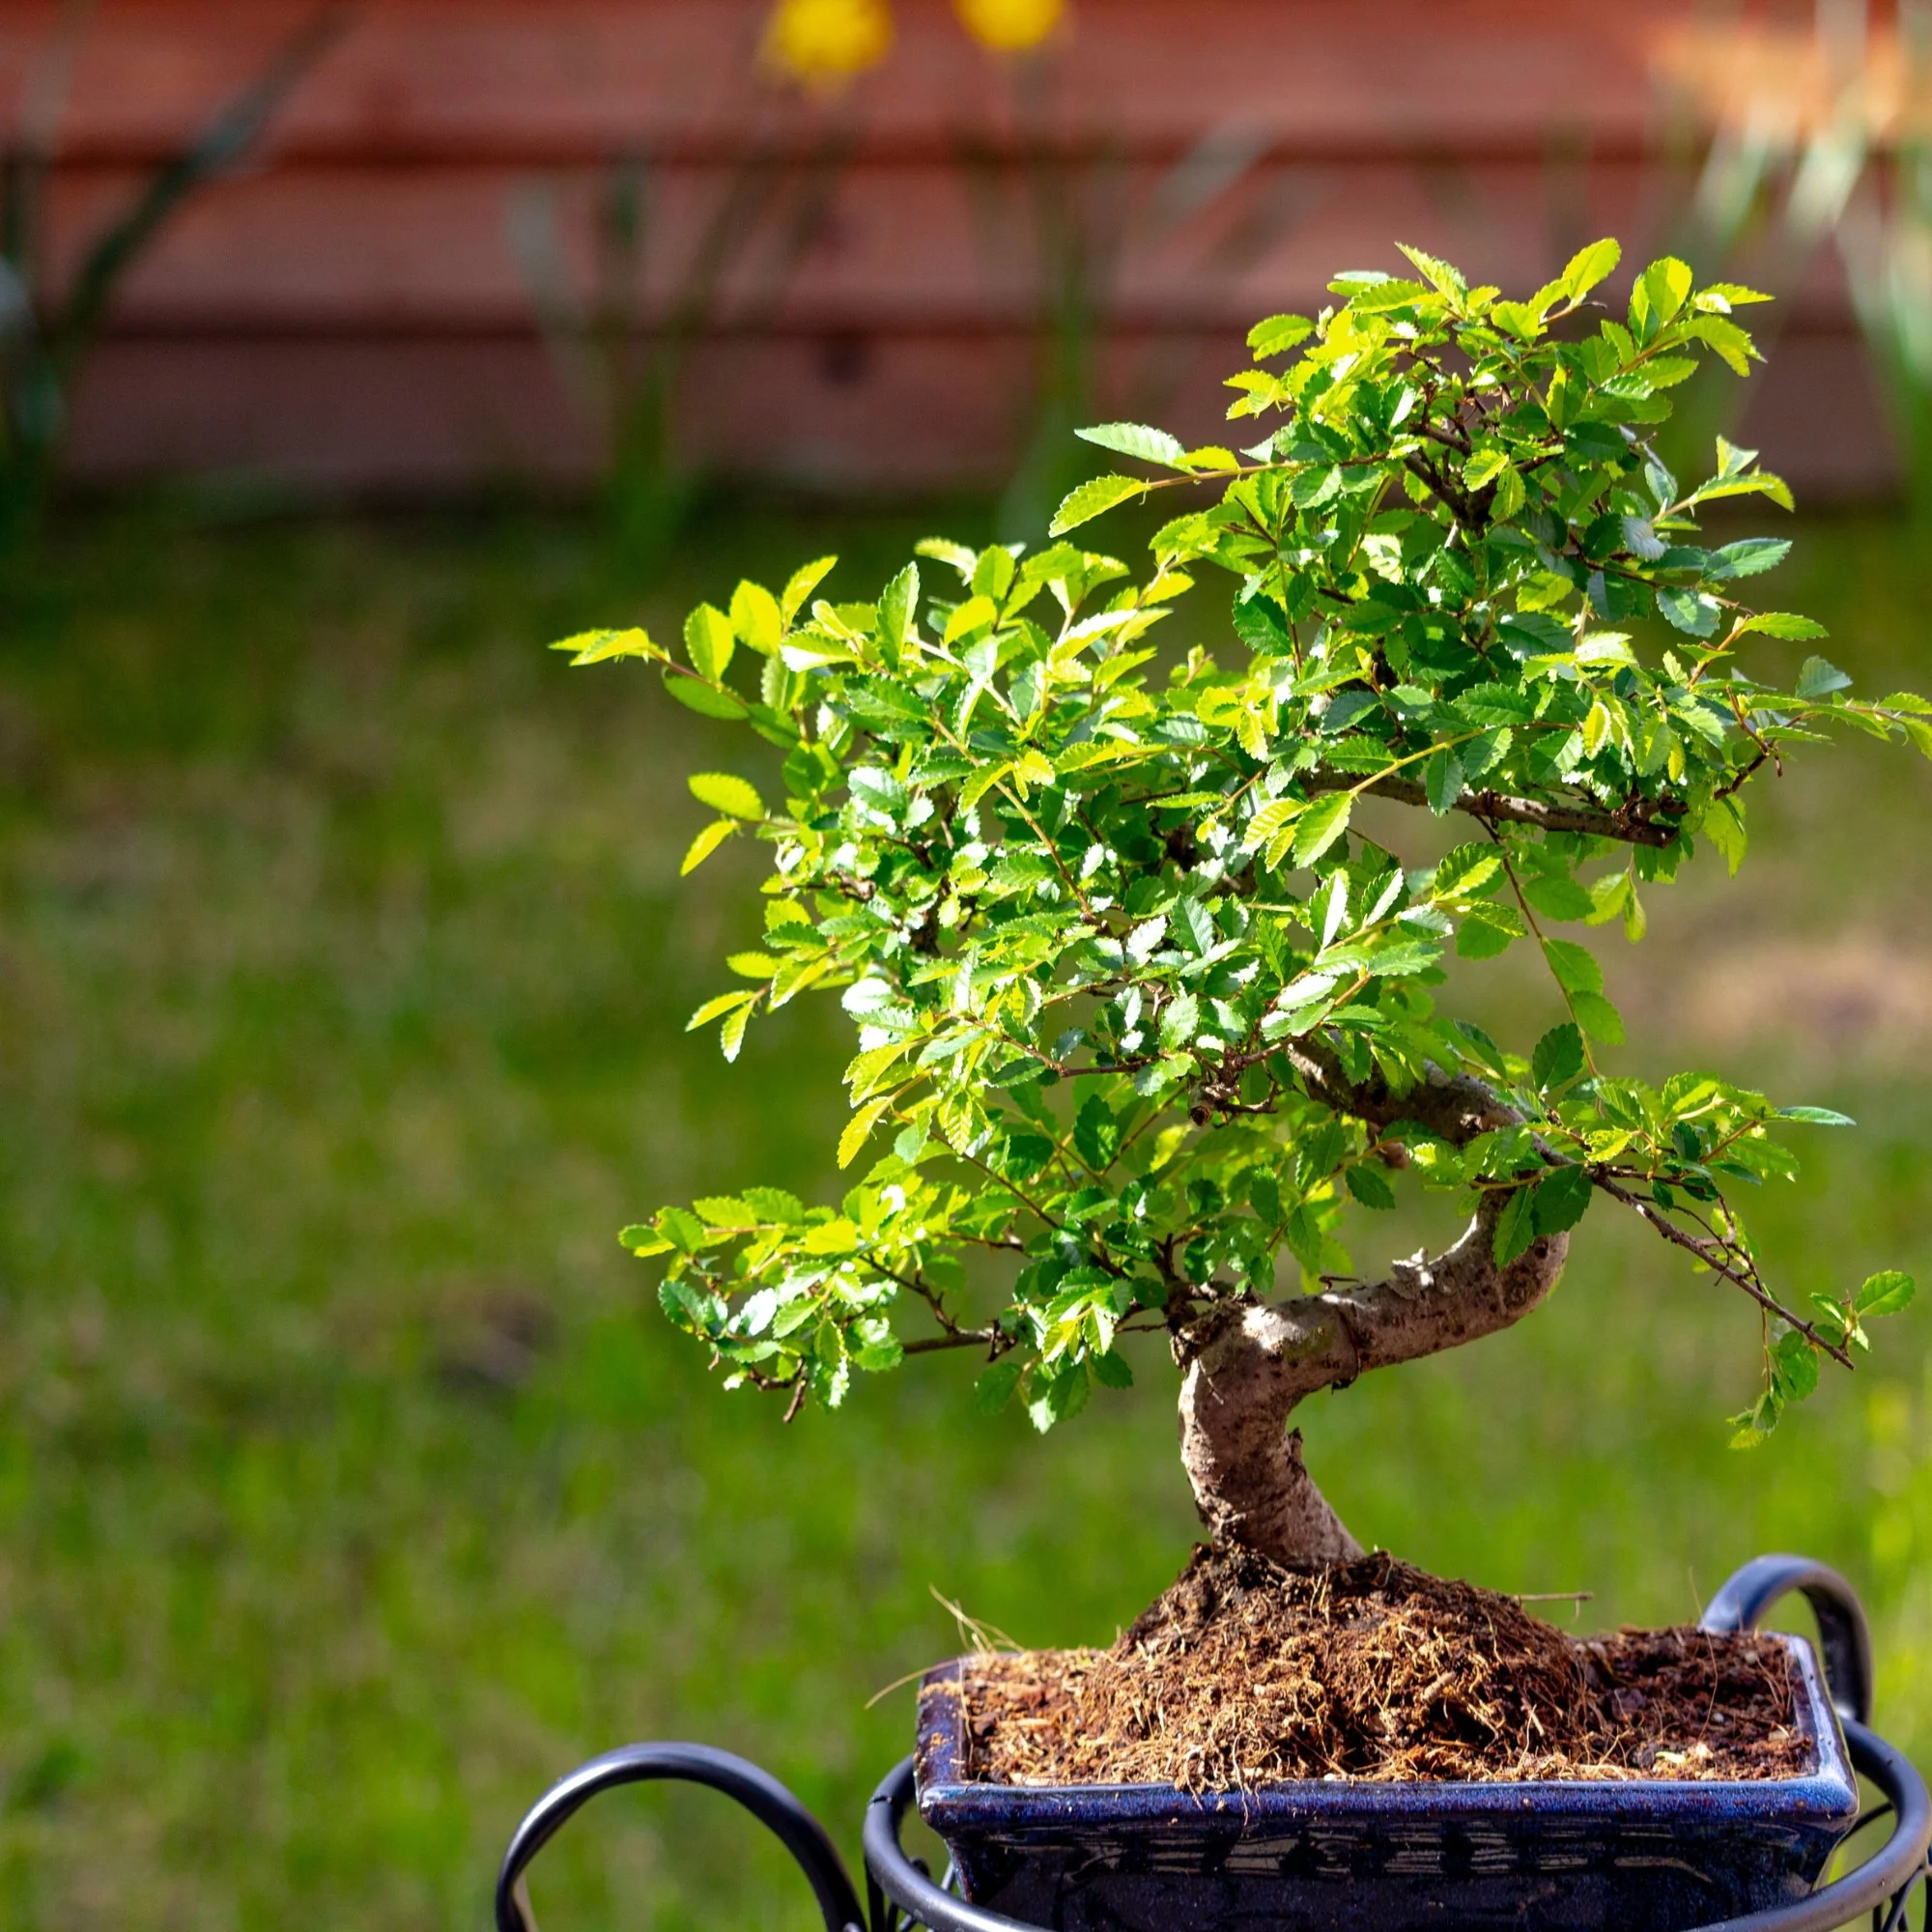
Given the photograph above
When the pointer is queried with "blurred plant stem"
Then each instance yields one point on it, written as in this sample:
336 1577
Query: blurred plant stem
46 331
1058 216
622 338
1822 139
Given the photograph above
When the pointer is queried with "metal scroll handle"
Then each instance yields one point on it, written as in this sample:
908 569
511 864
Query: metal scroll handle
1843 1634
757 1791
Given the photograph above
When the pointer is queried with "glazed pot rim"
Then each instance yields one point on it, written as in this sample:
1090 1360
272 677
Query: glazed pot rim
1827 1794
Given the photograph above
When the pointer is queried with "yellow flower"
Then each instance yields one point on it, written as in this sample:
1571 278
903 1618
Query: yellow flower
1009 26
822 42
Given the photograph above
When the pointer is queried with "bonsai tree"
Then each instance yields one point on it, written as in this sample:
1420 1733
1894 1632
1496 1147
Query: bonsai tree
1107 868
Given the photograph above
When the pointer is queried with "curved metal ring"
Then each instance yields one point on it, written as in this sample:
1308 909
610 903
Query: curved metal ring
1889 1874
757 1791
1844 1637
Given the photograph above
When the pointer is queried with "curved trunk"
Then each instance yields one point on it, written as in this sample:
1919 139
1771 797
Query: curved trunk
1247 1365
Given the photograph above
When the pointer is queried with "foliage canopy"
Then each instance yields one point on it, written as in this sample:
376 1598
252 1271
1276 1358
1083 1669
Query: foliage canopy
1122 954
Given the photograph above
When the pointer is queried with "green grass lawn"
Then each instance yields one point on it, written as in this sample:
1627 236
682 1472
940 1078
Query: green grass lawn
351 1487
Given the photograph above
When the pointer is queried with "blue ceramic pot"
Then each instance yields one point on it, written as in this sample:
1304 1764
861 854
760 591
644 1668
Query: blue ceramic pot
1643 1856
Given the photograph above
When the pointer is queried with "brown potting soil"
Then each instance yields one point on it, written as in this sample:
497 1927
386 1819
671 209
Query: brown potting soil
1243 1674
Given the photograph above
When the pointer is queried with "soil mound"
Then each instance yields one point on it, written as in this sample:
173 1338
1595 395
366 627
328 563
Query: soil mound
1243 1674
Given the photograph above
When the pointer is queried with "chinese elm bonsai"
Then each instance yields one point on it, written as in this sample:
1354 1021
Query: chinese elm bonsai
1143 1005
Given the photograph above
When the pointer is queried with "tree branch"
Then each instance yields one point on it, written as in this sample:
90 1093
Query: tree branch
1493 807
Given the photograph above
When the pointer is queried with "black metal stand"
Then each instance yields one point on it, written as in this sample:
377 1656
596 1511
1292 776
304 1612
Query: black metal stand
901 1894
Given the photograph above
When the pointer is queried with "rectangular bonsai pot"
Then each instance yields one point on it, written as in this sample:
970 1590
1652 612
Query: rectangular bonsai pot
1648 1854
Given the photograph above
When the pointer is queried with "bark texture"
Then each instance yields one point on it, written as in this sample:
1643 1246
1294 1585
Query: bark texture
1248 1364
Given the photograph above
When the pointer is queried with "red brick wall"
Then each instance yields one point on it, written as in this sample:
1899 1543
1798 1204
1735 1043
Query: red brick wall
348 312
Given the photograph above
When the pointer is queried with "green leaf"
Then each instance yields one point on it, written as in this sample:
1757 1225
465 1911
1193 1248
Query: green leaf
708 642
1817 1117
1661 292
1748 556
1692 612
804 581
731 1034
899 607
1368 1185
1096 1133
1112 1371
705 843
1516 1227
1590 266
706 699
1562 1198
1724 827
724 1003
1794 1366
589 647
1442 779
1556 897
1277 333
859 1128
1321 824
1559 1057
680 1227
1179 1022
1888 1292
1150 445
995 1387
755 618
1598 1018
723 792
1818 679
1447 280
1573 967
1466 870
1092 499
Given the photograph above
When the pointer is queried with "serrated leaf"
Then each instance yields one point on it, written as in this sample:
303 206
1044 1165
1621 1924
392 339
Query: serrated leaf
1562 1198
1277 333
1179 1022
708 642
1817 1117
995 1386
1590 266
1557 898
705 843
1816 678
1090 499
1748 556
755 617
1573 967
1446 278
1794 1367
1890 1291
1368 1185
1559 1057
731 1034
859 1128
804 581
724 791
589 647
1442 779
1598 1018
1516 1227
1785 624
898 606
724 1003
1690 611
707 700
1137 440
1321 824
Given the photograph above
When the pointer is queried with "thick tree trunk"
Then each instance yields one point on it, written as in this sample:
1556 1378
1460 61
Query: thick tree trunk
1248 1364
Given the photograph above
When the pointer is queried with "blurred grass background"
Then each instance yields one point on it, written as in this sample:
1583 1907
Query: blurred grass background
351 1487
